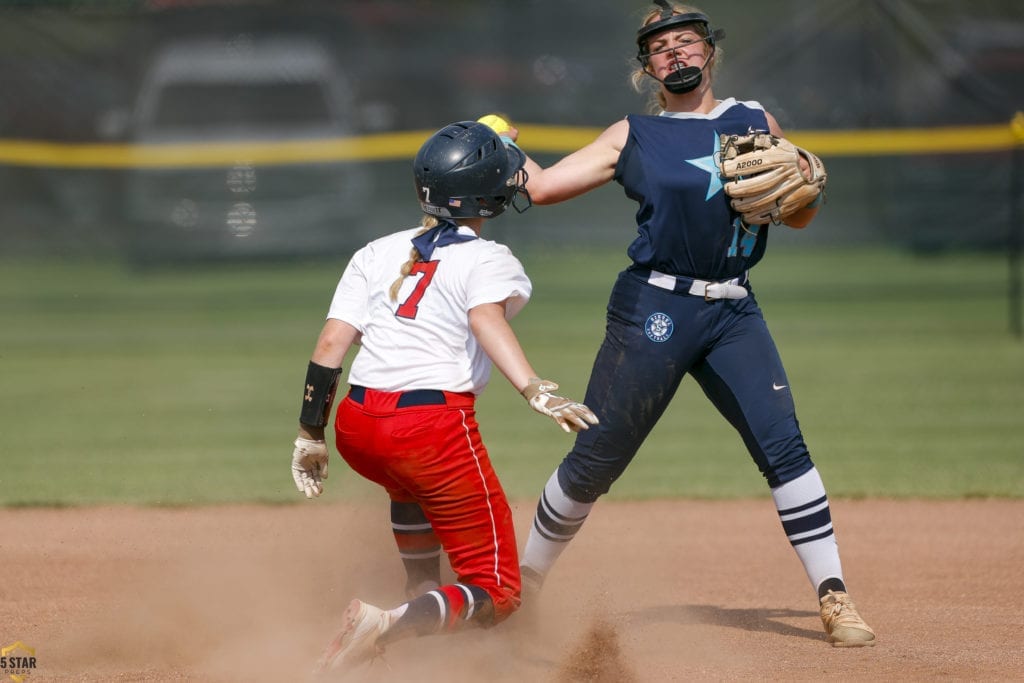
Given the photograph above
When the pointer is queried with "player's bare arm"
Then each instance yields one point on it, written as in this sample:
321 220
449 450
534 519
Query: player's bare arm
336 338
491 329
579 172
494 334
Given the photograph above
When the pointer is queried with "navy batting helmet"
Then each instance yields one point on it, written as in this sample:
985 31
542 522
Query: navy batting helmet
465 170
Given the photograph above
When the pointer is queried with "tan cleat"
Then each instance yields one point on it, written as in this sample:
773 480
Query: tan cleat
843 625
363 624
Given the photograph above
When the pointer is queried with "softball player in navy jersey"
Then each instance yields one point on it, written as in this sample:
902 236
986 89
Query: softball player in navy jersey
685 306
429 309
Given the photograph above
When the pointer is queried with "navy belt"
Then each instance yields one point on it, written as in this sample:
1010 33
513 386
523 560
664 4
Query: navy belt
407 399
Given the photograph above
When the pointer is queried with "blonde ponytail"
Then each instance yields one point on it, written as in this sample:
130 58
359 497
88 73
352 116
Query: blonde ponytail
428 222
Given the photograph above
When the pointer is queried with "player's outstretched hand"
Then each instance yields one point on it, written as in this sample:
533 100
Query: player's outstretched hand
309 466
501 125
570 415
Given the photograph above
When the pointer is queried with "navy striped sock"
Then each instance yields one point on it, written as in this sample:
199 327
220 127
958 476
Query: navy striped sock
807 520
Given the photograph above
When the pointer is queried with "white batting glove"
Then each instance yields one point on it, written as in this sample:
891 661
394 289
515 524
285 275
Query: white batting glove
309 466
570 415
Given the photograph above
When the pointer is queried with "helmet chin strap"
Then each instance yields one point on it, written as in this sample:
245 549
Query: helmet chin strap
684 80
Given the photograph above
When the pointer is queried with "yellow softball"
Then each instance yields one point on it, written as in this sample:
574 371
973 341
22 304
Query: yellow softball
496 122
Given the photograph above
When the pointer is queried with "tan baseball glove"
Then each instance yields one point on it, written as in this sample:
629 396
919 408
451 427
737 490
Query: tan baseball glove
761 174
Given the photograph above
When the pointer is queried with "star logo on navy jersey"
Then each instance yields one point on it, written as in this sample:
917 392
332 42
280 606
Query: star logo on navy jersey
708 164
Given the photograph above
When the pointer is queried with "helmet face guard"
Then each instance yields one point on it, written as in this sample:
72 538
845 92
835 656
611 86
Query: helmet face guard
465 170
688 78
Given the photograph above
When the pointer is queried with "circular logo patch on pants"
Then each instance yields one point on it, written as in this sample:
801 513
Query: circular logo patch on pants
659 327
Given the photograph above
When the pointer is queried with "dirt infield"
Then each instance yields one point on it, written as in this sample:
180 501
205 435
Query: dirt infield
663 591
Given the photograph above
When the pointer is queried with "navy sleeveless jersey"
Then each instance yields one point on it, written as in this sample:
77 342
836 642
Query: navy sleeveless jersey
685 224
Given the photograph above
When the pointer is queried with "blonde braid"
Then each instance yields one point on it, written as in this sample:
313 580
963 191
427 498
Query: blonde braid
428 222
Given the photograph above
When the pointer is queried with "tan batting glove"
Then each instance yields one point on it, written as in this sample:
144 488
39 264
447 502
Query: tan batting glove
309 466
570 415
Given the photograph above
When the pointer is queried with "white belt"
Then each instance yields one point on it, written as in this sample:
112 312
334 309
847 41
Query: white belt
727 289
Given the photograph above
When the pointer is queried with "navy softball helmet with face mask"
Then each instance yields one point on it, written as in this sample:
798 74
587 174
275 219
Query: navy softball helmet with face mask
687 78
465 170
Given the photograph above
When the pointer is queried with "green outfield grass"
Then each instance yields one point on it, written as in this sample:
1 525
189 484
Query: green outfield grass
182 387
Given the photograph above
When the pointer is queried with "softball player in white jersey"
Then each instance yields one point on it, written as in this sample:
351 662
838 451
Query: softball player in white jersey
429 308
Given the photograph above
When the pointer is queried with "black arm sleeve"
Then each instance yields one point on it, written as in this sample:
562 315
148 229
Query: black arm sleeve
318 394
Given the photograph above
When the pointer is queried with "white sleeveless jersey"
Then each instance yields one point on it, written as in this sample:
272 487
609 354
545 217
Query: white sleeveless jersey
423 340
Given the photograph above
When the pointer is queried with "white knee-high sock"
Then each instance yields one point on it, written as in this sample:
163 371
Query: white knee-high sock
803 509
556 522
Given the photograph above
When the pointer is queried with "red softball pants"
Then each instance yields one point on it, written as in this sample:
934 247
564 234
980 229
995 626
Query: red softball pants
432 454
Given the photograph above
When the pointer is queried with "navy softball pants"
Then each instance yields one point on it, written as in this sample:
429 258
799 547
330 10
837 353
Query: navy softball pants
652 339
